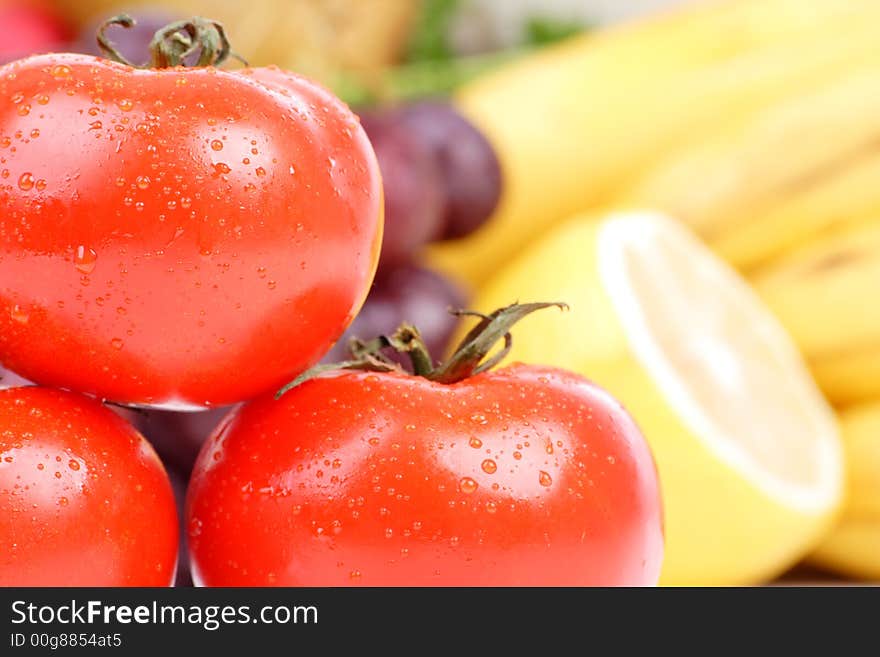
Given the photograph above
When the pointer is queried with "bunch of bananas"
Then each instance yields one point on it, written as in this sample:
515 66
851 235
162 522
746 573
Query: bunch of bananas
790 195
826 294
757 124
578 124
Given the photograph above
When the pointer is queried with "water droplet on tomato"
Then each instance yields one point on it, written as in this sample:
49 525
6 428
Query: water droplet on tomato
60 71
216 145
116 343
26 182
467 485
20 314
489 466
475 442
143 182
84 259
544 478
73 465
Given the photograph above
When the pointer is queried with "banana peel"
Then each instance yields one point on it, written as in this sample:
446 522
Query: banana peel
852 547
825 295
806 167
575 123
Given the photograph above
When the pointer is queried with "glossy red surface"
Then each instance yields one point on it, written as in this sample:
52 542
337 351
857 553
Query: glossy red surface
179 236
84 500
523 476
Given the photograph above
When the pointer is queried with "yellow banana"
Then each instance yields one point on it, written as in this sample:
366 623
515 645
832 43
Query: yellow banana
825 295
574 123
806 166
853 546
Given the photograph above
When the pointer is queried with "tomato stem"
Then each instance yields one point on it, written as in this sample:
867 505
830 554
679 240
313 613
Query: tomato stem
468 359
172 44
355 364
107 48
407 340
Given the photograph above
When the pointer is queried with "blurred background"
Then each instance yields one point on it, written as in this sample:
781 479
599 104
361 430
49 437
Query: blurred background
494 121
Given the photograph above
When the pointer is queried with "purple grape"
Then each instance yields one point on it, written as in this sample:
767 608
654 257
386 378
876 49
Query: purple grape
179 484
134 42
9 379
468 165
405 294
177 437
413 189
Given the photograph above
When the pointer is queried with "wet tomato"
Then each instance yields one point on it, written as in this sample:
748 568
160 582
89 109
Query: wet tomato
167 229
523 476
84 500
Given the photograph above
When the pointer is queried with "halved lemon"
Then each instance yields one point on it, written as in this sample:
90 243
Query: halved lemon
747 448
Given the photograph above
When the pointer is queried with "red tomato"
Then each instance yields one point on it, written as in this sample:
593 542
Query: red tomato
181 236
84 500
523 476
26 29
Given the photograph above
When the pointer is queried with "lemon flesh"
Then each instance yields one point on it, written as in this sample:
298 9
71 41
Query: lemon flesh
747 448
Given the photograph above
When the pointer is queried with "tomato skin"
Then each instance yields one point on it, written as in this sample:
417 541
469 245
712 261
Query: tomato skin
166 230
84 500
523 476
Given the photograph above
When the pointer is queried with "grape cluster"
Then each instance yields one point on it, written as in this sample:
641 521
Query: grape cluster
442 181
